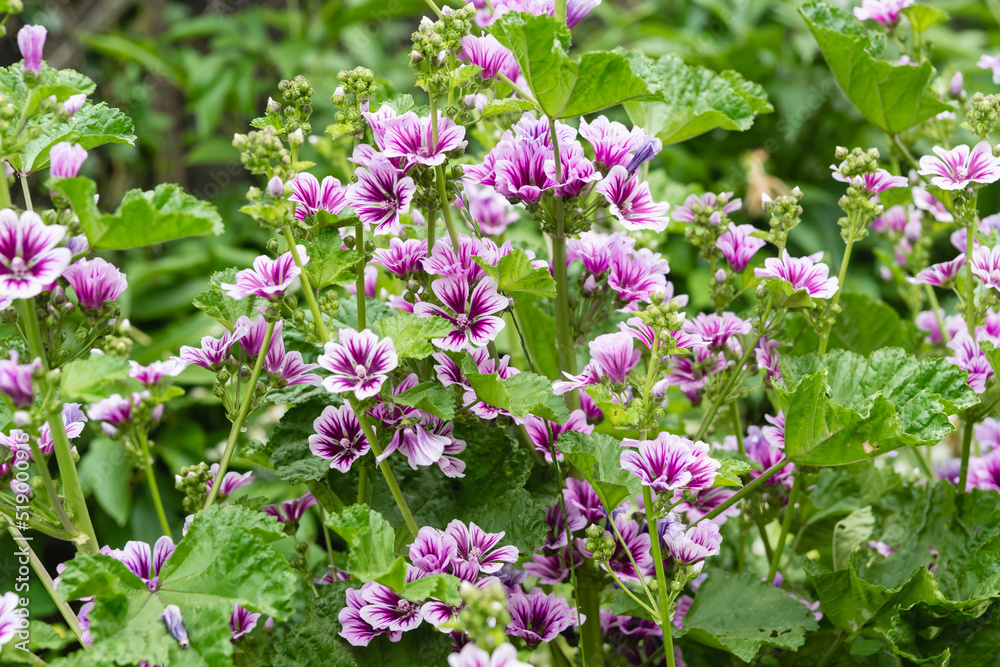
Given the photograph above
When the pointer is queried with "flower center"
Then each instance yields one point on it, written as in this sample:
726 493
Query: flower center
18 266
361 372
961 173
345 443
462 322
475 553
407 608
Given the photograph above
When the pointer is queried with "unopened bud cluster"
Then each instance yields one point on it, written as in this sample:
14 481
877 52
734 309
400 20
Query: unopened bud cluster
263 152
600 544
983 114
193 483
484 616
786 214
436 45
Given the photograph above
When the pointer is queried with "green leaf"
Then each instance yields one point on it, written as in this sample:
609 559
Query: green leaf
695 99
443 587
892 97
598 458
922 17
223 560
145 218
329 264
507 105
411 335
849 532
564 88
843 407
315 641
539 330
104 471
730 471
370 537
289 444
220 306
430 397
92 126
739 613
520 395
864 325
786 296
514 275
88 379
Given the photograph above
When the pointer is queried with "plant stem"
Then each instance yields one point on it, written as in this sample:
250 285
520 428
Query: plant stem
560 11
72 489
37 525
663 593
241 416
431 224
525 95
735 412
564 332
726 388
938 313
434 8
825 339
829 652
970 281
390 479
47 583
359 284
786 524
307 287
742 493
26 190
50 489
963 474
4 193
446 206
906 153
151 480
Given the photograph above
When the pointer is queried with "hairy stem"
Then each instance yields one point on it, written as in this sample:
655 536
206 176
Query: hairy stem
786 524
307 287
963 474
359 284
663 592
825 338
938 313
147 462
241 416
446 206
564 332
746 490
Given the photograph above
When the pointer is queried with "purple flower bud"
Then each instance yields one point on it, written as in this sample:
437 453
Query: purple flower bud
66 160
720 276
31 41
955 87
646 152
15 379
171 616
95 282
275 187
74 103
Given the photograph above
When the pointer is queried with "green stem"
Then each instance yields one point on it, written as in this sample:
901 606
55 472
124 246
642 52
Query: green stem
963 474
825 339
590 630
151 480
829 652
564 332
4 192
72 489
631 559
431 224
909 157
446 206
241 416
47 583
525 95
359 284
735 412
938 313
922 462
37 525
742 493
786 524
768 550
50 489
663 593
970 280
307 287
560 11
26 190
390 479
726 388
434 8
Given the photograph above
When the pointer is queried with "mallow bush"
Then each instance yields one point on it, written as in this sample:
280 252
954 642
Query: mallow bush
473 423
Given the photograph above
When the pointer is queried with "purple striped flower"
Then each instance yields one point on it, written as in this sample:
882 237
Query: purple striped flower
552 566
488 208
242 621
338 437
230 482
806 273
359 362
380 195
384 610
519 171
634 276
15 379
65 160
612 142
709 201
689 373
961 166
576 10
311 196
269 278
433 551
115 412
213 351
401 258
631 203
577 171
986 265
925 201
491 56
968 356
885 12
471 655
544 434
695 545
144 561
536 617
30 260
155 371
943 274
95 282
10 617
472 316
766 354
73 421
477 551
31 42
739 246
410 138
614 355
290 511
717 330
581 498
597 251
355 629
876 182
669 463
174 621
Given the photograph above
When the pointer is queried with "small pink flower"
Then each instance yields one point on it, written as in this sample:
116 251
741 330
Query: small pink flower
381 195
95 282
970 358
958 168
990 63
410 138
986 265
939 274
30 260
269 278
473 316
65 160
885 12
312 196
669 463
31 42
806 273
338 437
631 203
738 246
358 362
491 55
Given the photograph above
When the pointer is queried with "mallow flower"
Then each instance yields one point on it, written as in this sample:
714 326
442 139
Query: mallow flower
15 379
269 278
311 196
381 195
669 463
806 273
739 246
30 256
31 42
95 281
630 201
65 159
492 56
961 166
986 265
338 437
536 617
473 316
358 362
885 12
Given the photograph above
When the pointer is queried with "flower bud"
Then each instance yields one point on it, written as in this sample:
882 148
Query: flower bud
275 187
31 42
